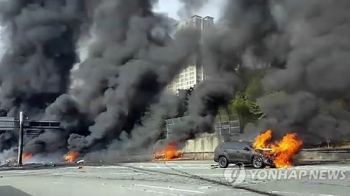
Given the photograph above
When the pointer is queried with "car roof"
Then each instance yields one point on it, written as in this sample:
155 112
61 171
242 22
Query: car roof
239 141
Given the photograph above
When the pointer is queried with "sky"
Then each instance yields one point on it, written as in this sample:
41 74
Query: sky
171 7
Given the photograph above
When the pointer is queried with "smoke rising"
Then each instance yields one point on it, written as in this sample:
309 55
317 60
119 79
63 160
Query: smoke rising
133 59
41 49
315 78
247 24
39 53
297 42
118 106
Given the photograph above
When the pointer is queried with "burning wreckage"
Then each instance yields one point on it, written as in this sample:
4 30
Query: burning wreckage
282 152
261 153
118 104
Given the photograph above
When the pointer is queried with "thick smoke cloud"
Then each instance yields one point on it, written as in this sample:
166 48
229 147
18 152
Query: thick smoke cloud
315 78
247 24
297 42
119 105
133 59
40 51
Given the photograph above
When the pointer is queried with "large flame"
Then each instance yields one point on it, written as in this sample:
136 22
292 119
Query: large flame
282 151
71 157
168 153
26 156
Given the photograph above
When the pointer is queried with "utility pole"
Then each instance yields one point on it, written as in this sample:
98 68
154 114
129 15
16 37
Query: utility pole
20 139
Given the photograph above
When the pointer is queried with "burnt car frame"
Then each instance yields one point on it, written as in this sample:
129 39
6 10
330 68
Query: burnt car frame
238 152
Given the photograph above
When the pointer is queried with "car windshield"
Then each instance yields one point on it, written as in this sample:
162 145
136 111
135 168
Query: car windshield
250 144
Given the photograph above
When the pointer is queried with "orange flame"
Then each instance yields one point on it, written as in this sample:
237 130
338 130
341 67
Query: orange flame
262 140
71 157
26 156
168 153
283 150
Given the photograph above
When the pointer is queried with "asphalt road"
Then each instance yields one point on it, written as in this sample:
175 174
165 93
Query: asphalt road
168 179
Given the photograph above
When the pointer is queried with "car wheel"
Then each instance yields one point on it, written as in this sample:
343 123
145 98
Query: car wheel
223 162
258 162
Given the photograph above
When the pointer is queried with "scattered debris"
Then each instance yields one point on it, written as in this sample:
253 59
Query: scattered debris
81 161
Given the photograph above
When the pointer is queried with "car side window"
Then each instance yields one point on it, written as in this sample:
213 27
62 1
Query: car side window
242 146
229 146
235 146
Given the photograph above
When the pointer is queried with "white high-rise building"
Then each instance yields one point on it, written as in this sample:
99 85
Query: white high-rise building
194 73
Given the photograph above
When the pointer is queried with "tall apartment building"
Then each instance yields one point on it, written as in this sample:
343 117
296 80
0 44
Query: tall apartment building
194 73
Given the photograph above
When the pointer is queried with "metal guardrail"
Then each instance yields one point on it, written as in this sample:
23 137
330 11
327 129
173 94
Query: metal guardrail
10 123
226 128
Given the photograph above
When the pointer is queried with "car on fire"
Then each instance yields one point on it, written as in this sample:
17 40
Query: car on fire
240 152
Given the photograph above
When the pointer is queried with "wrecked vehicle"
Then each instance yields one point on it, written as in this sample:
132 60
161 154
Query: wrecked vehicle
238 152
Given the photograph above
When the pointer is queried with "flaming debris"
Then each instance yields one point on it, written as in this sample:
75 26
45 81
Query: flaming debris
27 156
170 152
282 151
71 157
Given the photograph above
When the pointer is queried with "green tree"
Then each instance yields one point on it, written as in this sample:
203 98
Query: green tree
244 104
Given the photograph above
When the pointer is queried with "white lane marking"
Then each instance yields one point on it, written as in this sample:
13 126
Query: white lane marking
157 192
166 163
222 175
294 193
170 167
114 173
104 167
169 188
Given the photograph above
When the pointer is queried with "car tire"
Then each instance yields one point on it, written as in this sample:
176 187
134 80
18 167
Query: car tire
258 162
223 162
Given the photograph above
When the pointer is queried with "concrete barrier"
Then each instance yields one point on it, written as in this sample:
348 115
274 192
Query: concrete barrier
203 148
206 143
198 156
313 155
324 155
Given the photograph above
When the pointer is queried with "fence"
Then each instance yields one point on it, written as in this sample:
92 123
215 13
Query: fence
225 128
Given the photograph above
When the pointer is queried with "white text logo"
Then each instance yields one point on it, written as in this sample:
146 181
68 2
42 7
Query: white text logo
238 175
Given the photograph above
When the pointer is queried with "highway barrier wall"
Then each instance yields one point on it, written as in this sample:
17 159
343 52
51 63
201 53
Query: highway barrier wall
206 143
203 148
313 155
327 154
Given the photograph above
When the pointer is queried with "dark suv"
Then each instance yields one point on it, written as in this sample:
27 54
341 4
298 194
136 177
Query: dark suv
241 152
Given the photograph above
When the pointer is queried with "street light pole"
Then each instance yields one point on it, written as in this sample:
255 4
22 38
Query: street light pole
20 139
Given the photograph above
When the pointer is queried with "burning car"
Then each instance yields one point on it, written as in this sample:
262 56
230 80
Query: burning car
264 158
237 152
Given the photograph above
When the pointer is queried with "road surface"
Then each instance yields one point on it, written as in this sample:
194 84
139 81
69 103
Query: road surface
163 179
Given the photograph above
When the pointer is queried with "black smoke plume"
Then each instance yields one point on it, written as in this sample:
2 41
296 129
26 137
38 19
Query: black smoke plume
246 25
40 53
130 62
314 84
119 105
